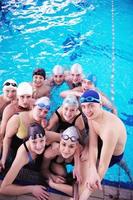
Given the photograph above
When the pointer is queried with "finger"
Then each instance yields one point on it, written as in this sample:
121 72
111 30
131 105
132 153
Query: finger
89 187
44 188
99 185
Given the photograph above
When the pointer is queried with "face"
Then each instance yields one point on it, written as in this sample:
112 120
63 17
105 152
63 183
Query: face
91 110
9 93
24 100
67 148
38 80
87 85
69 112
58 78
76 77
39 113
37 145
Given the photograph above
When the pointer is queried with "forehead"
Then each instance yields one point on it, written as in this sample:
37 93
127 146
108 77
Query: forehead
9 88
38 76
89 104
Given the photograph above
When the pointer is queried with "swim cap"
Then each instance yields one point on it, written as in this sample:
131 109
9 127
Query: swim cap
10 83
39 71
71 133
90 96
76 68
58 69
92 78
71 100
24 88
34 130
43 103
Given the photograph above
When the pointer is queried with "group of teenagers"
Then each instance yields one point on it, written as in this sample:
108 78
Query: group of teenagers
70 138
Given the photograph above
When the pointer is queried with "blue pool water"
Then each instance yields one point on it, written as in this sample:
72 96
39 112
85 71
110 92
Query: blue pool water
95 33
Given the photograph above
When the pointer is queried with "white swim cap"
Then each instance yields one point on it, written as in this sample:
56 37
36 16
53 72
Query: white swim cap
76 68
43 103
71 133
24 88
71 100
10 83
58 69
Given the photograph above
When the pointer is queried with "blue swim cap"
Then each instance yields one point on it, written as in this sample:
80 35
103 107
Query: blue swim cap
90 96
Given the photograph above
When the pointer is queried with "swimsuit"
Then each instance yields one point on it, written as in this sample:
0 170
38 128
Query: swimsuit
114 159
21 135
63 125
35 164
68 168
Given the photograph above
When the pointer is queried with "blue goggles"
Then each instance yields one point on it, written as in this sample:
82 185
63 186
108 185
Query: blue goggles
43 106
89 99
66 137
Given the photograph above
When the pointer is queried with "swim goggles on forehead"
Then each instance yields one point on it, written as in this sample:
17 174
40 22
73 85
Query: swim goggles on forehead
43 106
71 102
12 84
72 138
89 99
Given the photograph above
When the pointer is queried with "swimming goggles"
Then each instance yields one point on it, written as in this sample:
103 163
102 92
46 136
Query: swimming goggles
66 137
89 99
71 102
43 106
12 84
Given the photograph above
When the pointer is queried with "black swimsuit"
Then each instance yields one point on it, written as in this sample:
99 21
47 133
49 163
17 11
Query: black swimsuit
63 125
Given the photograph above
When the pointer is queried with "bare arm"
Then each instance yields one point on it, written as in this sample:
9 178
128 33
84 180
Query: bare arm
7 113
107 103
109 143
61 187
71 92
52 122
11 130
7 186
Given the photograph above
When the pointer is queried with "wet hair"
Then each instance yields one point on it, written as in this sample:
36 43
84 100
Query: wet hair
39 71
35 130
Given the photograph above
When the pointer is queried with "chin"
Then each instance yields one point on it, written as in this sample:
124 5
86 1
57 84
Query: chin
39 152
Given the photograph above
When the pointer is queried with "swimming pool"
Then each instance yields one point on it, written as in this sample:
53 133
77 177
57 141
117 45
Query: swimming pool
97 34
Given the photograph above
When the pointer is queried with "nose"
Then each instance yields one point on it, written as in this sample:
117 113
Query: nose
38 145
66 149
25 100
11 94
43 113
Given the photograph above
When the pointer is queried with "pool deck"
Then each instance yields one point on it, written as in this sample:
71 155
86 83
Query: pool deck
108 193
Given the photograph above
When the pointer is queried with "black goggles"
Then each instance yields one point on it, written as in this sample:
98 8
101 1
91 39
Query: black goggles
12 84
72 138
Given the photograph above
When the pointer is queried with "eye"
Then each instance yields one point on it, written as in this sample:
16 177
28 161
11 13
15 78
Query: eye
82 106
71 146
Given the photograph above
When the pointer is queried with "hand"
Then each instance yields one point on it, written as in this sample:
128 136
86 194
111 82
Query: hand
40 192
93 182
58 179
44 123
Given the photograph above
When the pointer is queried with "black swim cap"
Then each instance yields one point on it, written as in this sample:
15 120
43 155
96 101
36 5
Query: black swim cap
34 130
39 71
